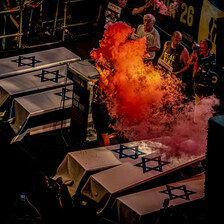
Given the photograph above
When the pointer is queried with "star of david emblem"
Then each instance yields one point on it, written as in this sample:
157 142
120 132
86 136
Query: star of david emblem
50 76
177 192
29 61
149 164
128 152
63 94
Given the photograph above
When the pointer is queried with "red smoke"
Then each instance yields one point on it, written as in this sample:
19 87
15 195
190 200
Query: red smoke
143 102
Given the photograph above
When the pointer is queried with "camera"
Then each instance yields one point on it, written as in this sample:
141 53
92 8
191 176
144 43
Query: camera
22 196
196 47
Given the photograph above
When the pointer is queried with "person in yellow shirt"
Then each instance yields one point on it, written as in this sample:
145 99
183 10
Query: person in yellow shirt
175 55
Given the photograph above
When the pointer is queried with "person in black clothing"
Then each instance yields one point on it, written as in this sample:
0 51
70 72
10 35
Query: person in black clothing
126 10
175 55
101 117
205 77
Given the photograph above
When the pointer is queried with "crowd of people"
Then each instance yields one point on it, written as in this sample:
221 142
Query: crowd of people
175 59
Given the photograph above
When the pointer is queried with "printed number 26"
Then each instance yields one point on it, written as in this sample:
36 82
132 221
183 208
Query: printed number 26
187 16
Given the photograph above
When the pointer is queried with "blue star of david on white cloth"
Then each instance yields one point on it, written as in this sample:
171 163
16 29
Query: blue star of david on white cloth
124 152
147 167
63 94
172 192
31 61
47 76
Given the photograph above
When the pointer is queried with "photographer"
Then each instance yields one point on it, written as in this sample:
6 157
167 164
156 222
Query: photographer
204 75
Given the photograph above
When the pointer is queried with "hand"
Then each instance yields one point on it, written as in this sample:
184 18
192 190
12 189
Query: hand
194 44
147 5
195 55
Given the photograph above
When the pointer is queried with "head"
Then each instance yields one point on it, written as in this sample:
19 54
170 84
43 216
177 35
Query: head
148 21
122 3
176 39
205 47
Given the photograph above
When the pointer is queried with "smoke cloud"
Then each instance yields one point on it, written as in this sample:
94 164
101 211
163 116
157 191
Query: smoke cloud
144 103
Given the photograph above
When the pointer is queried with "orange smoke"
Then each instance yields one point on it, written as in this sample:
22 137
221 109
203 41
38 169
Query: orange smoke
144 103
134 90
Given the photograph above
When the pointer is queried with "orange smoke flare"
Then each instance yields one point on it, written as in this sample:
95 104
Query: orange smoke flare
144 103
132 87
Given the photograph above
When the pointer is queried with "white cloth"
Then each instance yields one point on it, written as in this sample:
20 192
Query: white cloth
25 84
136 207
77 166
34 61
31 112
103 186
152 38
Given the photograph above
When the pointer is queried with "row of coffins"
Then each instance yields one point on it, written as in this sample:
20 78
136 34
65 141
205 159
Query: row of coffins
36 94
120 179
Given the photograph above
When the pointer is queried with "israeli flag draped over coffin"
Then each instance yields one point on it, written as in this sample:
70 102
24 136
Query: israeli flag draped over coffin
29 83
137 207
20 64
41 112
78 165
100 187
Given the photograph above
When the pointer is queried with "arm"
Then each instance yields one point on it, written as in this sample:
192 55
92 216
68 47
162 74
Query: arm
184 58
155 44
152 49
141 9
136 34
193 60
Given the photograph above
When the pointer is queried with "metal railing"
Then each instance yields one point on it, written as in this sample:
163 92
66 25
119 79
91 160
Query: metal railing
19 34
64 26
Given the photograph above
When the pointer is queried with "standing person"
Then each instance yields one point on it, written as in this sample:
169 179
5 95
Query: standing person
205 78
119 9
204 75
148 30
175 55
126 10
101 117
